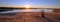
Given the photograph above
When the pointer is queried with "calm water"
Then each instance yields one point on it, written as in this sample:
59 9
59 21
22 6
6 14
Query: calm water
15 11
27 10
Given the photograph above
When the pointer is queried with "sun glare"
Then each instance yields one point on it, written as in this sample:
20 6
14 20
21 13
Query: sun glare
27 6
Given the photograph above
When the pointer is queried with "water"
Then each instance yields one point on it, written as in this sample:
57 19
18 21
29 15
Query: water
27 10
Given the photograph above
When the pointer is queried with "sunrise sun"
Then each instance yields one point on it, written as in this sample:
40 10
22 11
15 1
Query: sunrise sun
27 6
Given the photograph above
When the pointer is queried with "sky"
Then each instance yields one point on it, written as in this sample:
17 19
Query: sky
5 3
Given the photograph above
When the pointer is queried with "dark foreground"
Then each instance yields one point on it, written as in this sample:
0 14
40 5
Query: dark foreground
31 17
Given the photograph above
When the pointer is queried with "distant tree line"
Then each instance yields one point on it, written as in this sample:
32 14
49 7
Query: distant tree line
5 9
8 8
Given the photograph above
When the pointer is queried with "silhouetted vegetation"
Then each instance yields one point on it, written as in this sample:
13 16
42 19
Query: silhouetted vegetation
8 8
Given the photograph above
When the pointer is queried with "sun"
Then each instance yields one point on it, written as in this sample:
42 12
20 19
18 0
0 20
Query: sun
27 6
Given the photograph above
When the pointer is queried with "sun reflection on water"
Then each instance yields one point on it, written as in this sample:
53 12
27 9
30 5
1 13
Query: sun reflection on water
27 10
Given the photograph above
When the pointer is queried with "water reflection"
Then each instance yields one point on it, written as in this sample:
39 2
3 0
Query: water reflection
15 11
28 10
